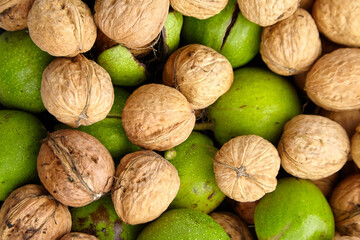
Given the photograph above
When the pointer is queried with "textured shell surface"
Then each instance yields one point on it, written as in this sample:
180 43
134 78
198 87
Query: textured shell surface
201 9
14 13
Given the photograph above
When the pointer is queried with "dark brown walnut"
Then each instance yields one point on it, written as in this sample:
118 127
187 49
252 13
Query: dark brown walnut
327 184
245 210
200 73
31 213
347 119
355 146
77 91
157 117
246 168
75 167
146 183
201 9
14 13
307 4
78 236
338 236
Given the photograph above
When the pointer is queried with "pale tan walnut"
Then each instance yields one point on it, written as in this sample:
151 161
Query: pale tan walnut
355 146
313 147
201 9
63 28
326 184
157 117
245 210
14 13
200 73
133 24
291 46
339 237
77 91
333 82
31 213
267 12
78 236
347 119
75 167
246 167
146 183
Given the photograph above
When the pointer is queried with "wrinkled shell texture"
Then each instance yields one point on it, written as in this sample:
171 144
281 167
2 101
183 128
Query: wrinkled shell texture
14 13
30 213
146 185
333 82
327 184
75 167
355 147
157 117
63 28
344 202
133 24
339 20
292 45
246 167
339 237
77 91
201 9
78 236
347 119
313 147
200 73
267 12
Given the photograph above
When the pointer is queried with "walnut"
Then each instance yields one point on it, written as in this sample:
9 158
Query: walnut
200 73
307 4
339 237
313 147
291 46
326 184
146 185
347 119
201 9
355 146
77 91
75 167
14 13
157 117
78 236
31 213
246 167
245 210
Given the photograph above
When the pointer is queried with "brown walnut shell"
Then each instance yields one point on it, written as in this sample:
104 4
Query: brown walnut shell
14 13
75 167
291 46
347 119
355 146
338 236
157 117
77 91
307 4
146 185
327 184
245 210
246 167
31 213
313 147
200 73
201 9
63 28
78 236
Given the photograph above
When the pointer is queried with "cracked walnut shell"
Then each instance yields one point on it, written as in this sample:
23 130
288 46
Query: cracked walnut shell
201 9
14 13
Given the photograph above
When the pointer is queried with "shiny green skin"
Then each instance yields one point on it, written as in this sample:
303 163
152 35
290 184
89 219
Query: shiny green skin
21 68
181 224
239 45
172 28
99 218
297 209
194 162
259 102
20 141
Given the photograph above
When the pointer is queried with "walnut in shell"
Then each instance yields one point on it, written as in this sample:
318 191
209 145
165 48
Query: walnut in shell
146 185
307 4
31 213
78 236
339 237
347 119
77 91
291 46
200 73
63 28
75 167
355 146
313 147
14 13
201 9
326 184
157 117
246 167
245 210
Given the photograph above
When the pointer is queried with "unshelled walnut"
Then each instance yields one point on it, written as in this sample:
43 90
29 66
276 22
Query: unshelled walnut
201 9
78 236
14 13
326 184
338 236
313 147
333 82
291 46
77 91
347 119
245 210
29 212
75 167
355 146
146 183
246 168
307 4
62 28
157 117
200 73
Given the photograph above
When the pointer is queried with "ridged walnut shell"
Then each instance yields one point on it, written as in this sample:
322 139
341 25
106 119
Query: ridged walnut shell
201 9
355 146
31 213
246 168
77 91
267 12
14 13
63 28
200 73
75 167
333 82
157 117
133 24
291 46
78 236
313 147
146 185
347 119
